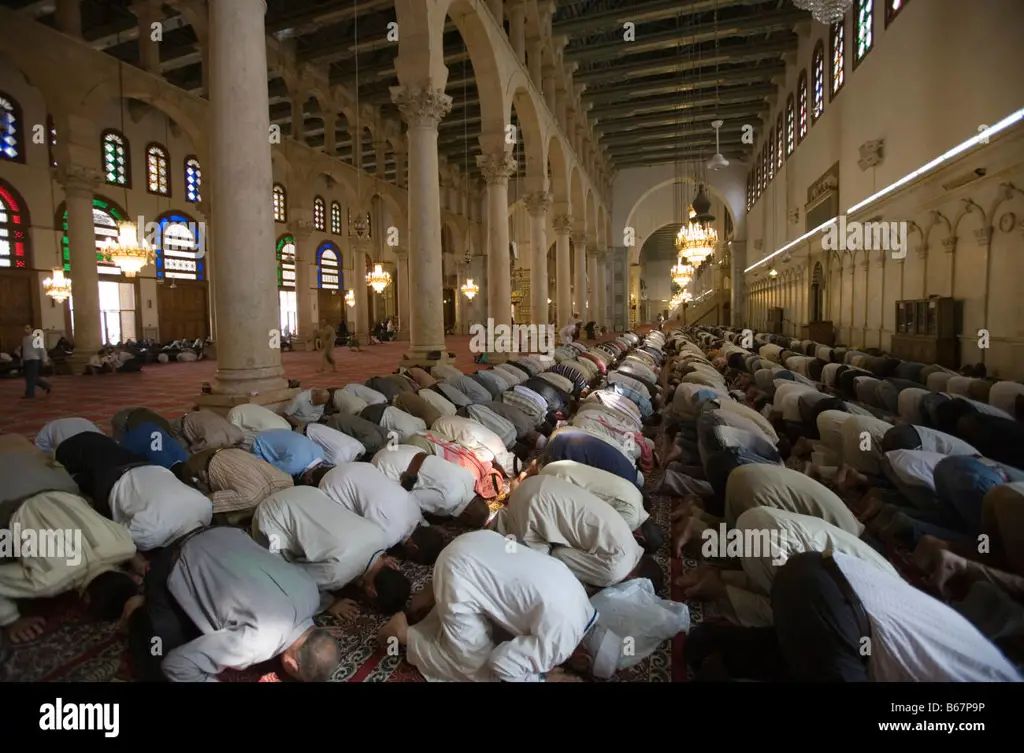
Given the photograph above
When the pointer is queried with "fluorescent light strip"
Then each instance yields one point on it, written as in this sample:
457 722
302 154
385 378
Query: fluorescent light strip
988 133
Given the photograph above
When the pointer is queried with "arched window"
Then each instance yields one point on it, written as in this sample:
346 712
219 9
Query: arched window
780 143
13 229
790 126
818 81
12 144
328 259
760 174
193 180
51 143
865 19
319 214
286 262
764 167
837 72
105 216
892 9
280 204
158 178
771 156
117 165
750 193
801 94
179 247
335 218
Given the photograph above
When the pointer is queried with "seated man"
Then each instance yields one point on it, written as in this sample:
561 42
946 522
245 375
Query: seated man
93 551
155 445
156 507
363 489
479 592
336 547
441 488
236 480
55 432
307 407
254 419
288 451
551 515
217 600
338 447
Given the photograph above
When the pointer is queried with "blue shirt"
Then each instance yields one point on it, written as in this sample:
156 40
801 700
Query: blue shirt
302 409
287 451
592 451
155 445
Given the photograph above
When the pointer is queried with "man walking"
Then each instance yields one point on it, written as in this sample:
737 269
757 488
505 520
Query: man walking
33 356
326 334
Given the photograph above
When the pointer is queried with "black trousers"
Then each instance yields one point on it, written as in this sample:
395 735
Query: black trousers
816 636
160 625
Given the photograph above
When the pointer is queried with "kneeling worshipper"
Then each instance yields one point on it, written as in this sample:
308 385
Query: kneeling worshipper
395 423
156 507
478 439
55 432
483 415
307 407
338 447
826 607
217 600
25 471
254 419
157 446
490 482
335 546
441 488
204 430
96 462
850 450
124 421
493 616
235 480
89 555
415 405
569 443
367 433
551 515
288 451
765 538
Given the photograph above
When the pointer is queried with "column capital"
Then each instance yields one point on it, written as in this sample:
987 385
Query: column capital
497 168
301 227
77 179
579 240
563 224
537 203
593 252
421 106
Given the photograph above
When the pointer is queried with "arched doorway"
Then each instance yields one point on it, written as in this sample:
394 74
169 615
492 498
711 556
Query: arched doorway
182 296
289 307
17 288
330 282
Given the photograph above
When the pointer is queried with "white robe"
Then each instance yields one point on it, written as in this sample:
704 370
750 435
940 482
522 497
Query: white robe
402 423
363 489
625 498
483 581
254 419
371 397
338 447
442 488
55 432
156 507
478 439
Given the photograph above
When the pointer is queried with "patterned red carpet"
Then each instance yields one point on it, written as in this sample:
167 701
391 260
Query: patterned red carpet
73 649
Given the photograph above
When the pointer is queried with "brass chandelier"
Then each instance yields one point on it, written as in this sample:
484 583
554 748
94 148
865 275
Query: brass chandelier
57 287
697 239
129 252
470 289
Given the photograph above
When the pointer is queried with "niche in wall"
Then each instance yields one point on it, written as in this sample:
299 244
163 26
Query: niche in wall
822 199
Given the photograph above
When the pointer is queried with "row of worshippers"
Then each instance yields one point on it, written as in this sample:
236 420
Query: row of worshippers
809 592
328 522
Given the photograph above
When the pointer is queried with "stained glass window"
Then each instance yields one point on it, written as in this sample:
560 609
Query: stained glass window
319 212
837 72
280 204
780 142
790 126
892 9
51 140
865 29
336 218
771 156
13 230
328 259
157 174
286 262
105 216
179 247
801 89
818 79
764 167
116 159
750 193
12 145
193 180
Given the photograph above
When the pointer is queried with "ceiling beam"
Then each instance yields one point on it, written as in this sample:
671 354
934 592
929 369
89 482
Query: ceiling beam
655 11
743 75
701 147
717 113
678 104
665 133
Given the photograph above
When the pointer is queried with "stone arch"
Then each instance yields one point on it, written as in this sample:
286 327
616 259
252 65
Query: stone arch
558 179
529 122
36 76
103 95
340 182
713 192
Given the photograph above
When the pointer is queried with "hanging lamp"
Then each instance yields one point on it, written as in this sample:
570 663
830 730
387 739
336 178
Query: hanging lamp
470 289
350 298
57 287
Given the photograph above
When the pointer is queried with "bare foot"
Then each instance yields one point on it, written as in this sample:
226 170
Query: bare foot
682 536
139 564
947 566
421 604
560 675
927 553
691 578
674 452
708 586
346 609
129 608
25 629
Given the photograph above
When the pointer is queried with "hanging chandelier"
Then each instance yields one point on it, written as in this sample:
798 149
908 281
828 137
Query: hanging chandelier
57 287
378 279
350 299
682 273
773 273
825 11
697 240
687 296
129 252
470 289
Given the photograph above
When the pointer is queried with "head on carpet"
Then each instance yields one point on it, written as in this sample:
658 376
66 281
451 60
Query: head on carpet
107 594
313 657
648 568
386 586
650 536
423 546
475 515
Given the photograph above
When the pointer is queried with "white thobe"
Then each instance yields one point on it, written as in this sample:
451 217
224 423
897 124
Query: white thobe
442 488
348 402
482 581
439 401
363 489
156 507
55 432
332 544
254 419
370 397
478 439
625 498
552 515
786 399
946 444
862 443
338 447
402 423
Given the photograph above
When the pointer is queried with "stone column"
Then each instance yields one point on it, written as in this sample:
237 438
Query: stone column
560 111
497 168
550 88
738 294
579 243
422 108
306 296
79 184
563 270
538 204
360 248
534 61
248 366
592 283
69 19
148 12
330 133
400 168
517 28
405 313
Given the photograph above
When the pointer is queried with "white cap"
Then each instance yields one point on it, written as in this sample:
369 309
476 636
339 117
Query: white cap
604 647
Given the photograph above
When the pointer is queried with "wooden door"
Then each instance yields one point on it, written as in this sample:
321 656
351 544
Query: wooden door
17 310
332 307
183 310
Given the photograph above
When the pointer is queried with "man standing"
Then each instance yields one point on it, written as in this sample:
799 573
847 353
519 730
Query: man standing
33 356
326 334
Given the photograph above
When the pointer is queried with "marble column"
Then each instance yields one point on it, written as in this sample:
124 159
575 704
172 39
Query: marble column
209 262
579 275
360 248
497 10
248 365
563 270
306 297
401 159
69 19
422 108
738 294
601 285
538 204
79 183
497 168
405 313
148 12
517 28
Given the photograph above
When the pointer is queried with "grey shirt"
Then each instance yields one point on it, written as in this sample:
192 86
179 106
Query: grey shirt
29 352
249 604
